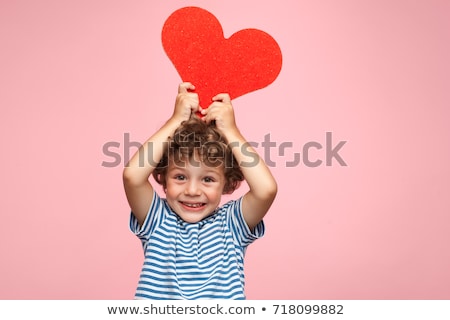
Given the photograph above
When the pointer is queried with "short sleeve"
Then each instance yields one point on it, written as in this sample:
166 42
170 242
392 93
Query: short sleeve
239 228
151 220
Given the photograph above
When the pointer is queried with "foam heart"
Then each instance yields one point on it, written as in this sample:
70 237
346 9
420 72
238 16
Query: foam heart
193 40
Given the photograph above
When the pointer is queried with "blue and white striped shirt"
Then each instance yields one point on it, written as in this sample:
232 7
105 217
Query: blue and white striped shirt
203 260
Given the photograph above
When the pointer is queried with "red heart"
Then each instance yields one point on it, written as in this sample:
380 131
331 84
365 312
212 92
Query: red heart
247 61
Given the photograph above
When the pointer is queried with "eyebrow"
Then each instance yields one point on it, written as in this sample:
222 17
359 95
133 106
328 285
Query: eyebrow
214 172
207 171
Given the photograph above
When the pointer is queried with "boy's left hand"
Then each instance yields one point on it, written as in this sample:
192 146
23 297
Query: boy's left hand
221 111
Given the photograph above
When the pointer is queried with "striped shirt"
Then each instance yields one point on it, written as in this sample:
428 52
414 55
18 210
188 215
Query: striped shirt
203 260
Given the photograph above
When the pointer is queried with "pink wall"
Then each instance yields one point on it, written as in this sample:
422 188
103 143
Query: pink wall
78 74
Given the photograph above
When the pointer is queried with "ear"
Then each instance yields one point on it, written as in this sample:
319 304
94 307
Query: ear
162 178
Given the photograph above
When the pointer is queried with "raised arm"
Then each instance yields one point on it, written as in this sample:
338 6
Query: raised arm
137 171
263 187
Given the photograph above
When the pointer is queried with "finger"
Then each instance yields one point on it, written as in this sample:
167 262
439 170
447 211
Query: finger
194 108
195 101
211 111
224 97
208 116
203 111
189 98
215 104
185 87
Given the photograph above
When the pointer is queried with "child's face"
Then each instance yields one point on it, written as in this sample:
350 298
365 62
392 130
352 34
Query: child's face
194 189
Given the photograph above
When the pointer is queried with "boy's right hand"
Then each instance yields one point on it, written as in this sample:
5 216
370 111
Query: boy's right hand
186 102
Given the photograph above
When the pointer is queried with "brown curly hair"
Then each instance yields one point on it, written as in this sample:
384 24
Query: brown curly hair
195 137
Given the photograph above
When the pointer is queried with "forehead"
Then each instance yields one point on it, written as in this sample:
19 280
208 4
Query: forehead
196 163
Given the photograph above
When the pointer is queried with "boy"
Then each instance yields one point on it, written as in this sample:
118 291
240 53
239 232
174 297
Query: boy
195 249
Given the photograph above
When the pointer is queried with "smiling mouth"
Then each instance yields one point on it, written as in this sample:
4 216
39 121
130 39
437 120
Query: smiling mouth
193 205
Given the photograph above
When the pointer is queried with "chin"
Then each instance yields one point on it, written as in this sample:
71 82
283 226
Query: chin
193 217
190 220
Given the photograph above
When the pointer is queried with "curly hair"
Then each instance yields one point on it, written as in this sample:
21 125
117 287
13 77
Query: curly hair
195 137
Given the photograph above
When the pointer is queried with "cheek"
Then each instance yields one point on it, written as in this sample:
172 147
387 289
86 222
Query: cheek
172 190
215 193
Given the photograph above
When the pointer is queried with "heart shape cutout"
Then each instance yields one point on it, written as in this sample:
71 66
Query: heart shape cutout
193 40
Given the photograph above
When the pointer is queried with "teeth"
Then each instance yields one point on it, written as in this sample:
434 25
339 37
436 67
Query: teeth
193 205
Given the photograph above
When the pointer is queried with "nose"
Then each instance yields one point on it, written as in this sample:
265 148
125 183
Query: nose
192 188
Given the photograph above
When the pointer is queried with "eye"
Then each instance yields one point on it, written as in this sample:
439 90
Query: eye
208 179
180 177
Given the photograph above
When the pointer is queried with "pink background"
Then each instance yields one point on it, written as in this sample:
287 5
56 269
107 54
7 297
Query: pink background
75 75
